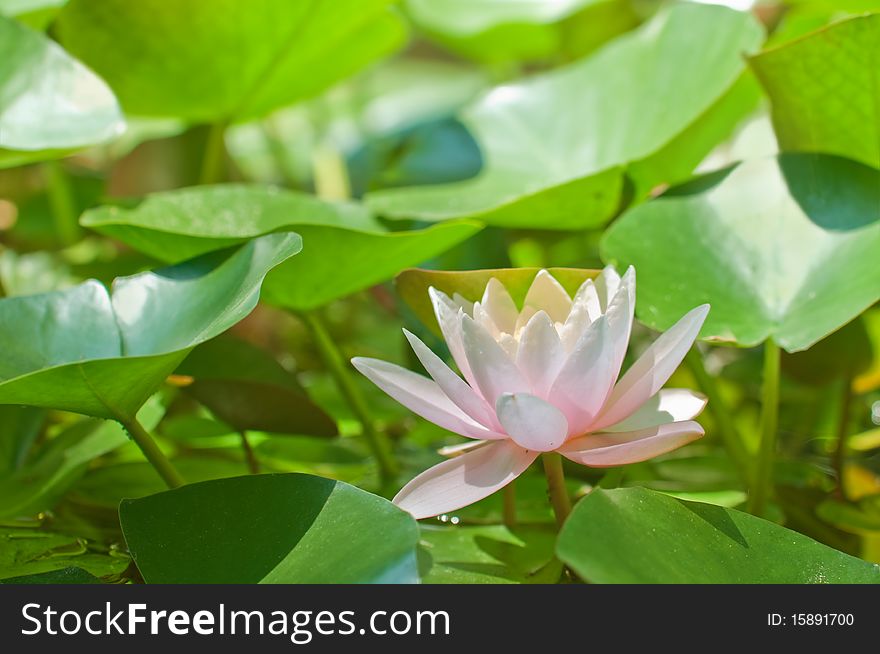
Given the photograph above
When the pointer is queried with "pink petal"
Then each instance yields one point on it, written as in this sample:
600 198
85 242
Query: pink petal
620 311
605 450
464 480
607 285
421 396
669 405
449 316
583 382
462 395
540 354
585 309
493 370
531 422
451 451
546 293
653 368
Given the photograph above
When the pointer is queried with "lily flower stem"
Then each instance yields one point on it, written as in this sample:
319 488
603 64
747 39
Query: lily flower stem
61 200
509 498
336 364
840 451
556 486
249 454
725 423
152 452
213 168
763 476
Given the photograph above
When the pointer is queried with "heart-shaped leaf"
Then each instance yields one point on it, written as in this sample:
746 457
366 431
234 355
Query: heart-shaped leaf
289 528
413 285
634 535
179 224
248 389
48 100
222 60
103 354
825 90
539 172
782 248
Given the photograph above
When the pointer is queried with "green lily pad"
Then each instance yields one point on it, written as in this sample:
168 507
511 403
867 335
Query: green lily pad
28 551
538 172
248 389
782 248
179 224
102 354
20 426
825 89
270 529
493 554
635 535
413 285
48 100
221 60
71 575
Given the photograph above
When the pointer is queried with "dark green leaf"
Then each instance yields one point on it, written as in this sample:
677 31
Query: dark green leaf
270 529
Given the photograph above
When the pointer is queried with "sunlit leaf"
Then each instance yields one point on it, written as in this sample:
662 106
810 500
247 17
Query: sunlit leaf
782 248
825 90
270 529
556 146
179 224
223 60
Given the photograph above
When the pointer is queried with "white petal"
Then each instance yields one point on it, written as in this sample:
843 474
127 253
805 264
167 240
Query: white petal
540 354
585 309
605 450
583 382
546 293
421 396
449 317
653 368
499 305
464 480
464 397
494 371
531 422
484 320
620 313
463 303
607 284
669 405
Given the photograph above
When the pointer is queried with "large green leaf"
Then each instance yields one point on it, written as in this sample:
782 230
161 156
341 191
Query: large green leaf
221 60
179 224
48 100
413 285
493 31
782 248
248 389
270 529
825 90
635 535
556 146
103 354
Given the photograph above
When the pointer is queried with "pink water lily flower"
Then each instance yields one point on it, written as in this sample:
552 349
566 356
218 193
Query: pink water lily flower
541 379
